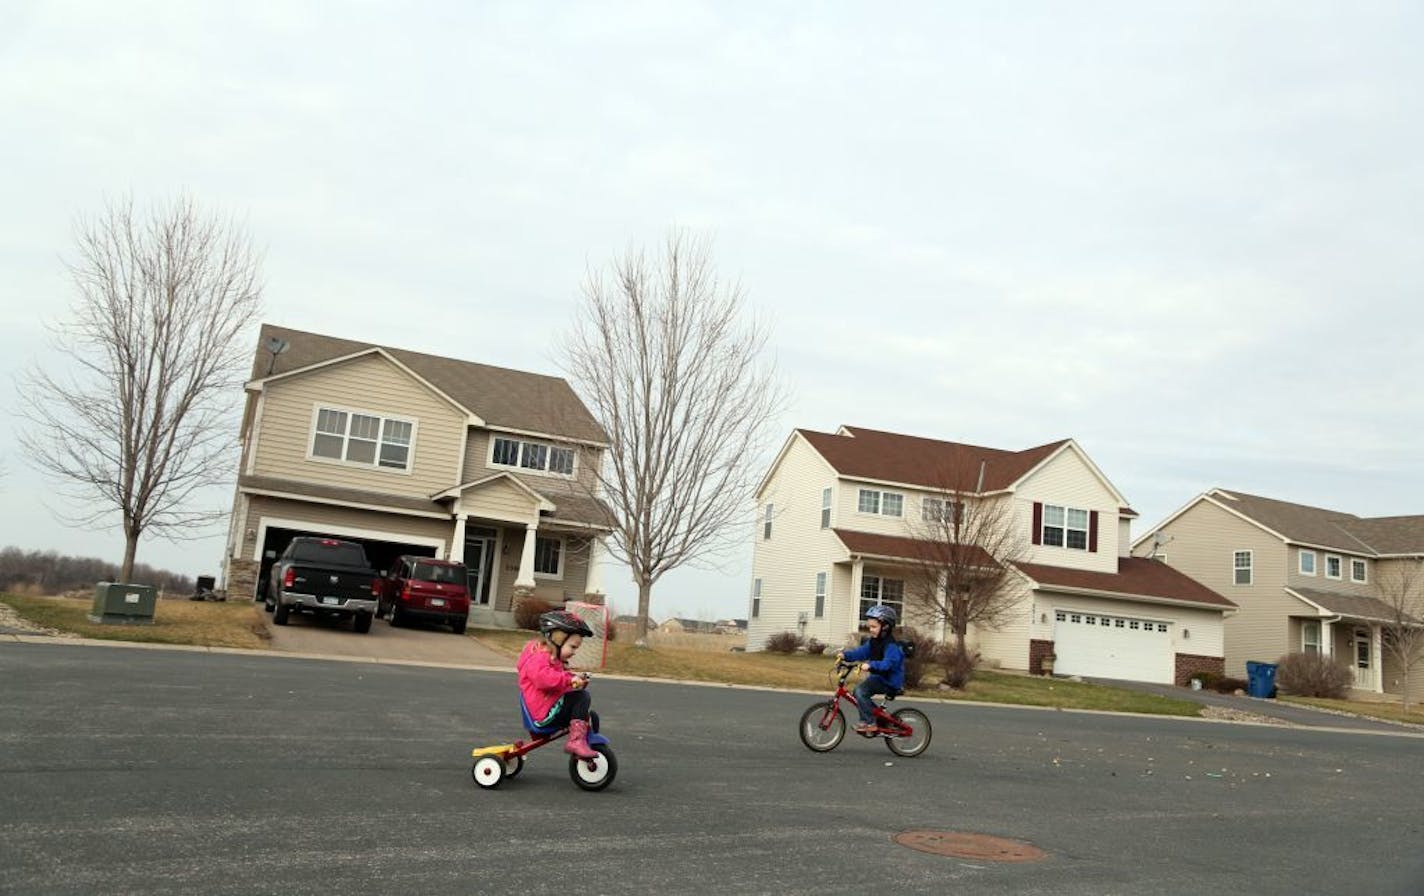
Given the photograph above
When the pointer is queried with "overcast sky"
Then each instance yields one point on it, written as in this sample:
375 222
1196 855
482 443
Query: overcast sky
1186 235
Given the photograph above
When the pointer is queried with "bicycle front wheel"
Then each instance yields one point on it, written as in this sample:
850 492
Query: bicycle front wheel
823 726
911 744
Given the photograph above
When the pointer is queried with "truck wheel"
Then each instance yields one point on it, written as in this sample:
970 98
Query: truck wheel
362 623
279 615
396 618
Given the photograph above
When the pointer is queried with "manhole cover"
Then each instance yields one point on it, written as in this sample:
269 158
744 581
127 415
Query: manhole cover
970 846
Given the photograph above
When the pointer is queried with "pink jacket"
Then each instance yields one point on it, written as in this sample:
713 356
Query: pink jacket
542 679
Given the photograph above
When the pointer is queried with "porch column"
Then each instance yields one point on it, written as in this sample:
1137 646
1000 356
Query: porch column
593 584
457 547
1377 659
1327 638
857 572
526 558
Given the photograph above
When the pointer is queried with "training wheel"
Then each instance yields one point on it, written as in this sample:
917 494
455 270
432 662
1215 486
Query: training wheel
487 771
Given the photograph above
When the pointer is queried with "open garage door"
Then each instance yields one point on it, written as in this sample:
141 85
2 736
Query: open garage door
1100 645
380 553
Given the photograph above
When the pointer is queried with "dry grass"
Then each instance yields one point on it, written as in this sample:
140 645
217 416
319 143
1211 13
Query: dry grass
815 673
1390 712
200 623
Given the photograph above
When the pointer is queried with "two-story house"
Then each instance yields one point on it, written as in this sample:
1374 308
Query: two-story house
837 534
1306 579
412 453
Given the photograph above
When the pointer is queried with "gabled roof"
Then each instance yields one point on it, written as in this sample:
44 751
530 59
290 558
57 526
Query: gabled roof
505 399
331 494
931 463
1319 527
1136 577
1355 607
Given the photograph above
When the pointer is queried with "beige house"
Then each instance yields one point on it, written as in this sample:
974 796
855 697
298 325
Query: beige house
837 533
1306 579
410 453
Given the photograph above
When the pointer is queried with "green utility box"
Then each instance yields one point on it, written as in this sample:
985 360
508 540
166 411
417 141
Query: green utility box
123 604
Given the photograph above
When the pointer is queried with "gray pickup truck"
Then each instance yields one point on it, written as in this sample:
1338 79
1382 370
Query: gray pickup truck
324 577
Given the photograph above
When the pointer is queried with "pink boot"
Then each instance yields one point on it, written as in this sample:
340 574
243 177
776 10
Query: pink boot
577 744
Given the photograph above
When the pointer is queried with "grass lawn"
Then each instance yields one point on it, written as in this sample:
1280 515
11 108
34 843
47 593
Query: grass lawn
816 673
1392 712
199 623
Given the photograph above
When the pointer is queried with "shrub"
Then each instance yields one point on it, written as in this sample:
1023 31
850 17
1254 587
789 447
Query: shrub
528 611
783 642
1228 685
958 665
610 632
924 658
1208 679
814 647
1313 675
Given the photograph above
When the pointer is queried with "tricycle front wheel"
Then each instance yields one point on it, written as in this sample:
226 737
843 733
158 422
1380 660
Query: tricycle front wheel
823 727
594 774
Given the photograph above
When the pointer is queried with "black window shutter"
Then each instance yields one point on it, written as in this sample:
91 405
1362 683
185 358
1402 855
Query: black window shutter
1038 522
1092 530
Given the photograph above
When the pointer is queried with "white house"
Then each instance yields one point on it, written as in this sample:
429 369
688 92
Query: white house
837 530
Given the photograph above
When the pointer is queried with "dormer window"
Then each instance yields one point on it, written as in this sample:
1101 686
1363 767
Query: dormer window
539 457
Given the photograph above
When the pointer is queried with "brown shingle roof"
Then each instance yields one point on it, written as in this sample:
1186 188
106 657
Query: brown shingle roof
336 493
502 397
897 547
1135 577
1350 605
892 457
1303 524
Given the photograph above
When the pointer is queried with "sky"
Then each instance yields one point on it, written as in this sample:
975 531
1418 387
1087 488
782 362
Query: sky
1187 236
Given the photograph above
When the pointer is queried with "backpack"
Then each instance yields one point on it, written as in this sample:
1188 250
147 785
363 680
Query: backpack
907 648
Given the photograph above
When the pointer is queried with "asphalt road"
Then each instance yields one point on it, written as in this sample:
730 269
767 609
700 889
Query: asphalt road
165 772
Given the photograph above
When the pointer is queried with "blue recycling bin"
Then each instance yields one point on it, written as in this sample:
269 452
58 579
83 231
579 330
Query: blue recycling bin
1260 679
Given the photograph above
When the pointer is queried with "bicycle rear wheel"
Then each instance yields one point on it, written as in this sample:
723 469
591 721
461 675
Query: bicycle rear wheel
823 726
911 744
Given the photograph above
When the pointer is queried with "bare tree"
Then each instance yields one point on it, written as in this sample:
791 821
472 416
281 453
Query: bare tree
1401 588
660 350
965 545
141 418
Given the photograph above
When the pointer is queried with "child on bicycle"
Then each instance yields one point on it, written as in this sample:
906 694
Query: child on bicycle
881 658
554 696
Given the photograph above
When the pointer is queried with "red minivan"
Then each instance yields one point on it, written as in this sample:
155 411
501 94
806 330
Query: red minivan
425 588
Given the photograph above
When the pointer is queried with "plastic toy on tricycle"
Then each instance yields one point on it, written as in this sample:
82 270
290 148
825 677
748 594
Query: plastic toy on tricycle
823 725
495 763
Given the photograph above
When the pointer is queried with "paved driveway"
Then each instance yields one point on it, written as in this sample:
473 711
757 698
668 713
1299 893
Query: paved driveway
309 636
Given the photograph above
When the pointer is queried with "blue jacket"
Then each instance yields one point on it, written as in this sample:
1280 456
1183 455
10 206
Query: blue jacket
890 667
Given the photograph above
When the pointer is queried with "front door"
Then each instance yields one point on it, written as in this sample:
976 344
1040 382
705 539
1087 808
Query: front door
479 564
1364 665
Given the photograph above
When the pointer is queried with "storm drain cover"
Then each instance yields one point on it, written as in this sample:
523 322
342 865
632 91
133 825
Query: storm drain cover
970 846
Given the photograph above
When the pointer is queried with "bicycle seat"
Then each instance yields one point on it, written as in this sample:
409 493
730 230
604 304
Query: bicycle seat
533 729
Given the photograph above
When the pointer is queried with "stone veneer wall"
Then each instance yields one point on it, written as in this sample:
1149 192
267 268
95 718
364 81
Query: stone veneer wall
242 579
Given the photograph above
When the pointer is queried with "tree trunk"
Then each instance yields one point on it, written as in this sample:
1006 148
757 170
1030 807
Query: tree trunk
130 550
645 594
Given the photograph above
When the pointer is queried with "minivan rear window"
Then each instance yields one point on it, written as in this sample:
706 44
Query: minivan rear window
433 572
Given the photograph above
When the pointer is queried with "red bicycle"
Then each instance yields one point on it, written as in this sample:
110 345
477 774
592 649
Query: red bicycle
823 726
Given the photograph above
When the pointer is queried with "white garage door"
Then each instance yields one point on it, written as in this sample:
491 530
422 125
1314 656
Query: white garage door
1097 645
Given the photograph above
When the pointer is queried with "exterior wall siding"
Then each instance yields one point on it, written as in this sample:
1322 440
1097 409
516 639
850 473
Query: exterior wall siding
799 548
1203 541
1068 481
370 384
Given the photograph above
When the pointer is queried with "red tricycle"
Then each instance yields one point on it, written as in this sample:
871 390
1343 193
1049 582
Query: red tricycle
493 764
823 725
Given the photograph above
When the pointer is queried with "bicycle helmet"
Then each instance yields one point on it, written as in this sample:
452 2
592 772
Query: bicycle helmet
886 615
555 621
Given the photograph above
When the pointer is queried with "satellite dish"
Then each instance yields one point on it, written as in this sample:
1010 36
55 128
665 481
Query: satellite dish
276 346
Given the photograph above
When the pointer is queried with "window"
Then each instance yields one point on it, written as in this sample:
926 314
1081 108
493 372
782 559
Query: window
766 526
1241 567
1307 563
363 439
1357 571
820 595
756 598
1332 566
876 590
539 457
825 508
1065 527
1310 637
548 557
940 510
882 503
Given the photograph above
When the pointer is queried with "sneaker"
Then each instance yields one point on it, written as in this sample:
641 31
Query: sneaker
864 729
